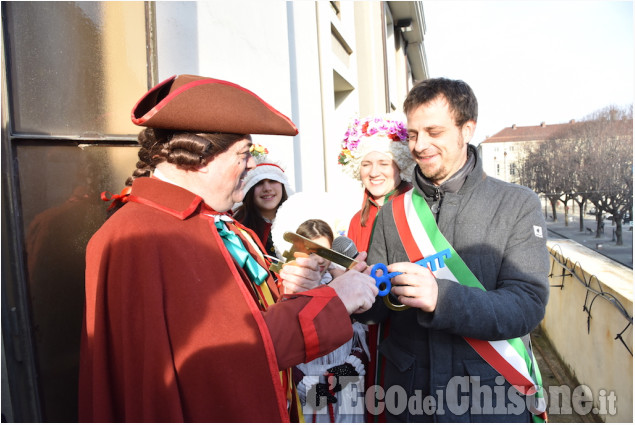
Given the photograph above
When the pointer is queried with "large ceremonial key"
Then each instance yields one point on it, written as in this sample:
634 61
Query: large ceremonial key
307 246
439 257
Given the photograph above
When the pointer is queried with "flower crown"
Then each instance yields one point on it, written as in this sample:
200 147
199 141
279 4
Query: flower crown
376 133
259 152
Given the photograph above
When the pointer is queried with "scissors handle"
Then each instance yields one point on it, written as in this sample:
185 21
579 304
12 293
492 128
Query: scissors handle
382 281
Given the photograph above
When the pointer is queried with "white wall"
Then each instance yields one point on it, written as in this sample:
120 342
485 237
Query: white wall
589 348
244 42
285 53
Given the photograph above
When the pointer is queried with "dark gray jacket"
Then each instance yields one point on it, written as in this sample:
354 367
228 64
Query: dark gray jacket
498 230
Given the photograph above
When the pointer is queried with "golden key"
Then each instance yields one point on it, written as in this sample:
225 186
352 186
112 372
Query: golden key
307 246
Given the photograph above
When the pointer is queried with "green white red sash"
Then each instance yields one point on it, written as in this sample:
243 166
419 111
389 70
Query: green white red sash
421 238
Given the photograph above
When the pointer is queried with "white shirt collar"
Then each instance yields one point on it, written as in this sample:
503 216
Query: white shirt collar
159 175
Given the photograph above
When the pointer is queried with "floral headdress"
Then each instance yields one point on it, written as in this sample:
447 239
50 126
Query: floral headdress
259 152
383 134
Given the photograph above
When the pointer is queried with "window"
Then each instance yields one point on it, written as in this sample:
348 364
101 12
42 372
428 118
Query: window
76 68
74 71
61 206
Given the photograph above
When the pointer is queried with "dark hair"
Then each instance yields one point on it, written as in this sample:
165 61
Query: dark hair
314 228
460 97
249 215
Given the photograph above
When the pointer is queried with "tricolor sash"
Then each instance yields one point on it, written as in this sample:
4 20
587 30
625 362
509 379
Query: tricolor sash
421 237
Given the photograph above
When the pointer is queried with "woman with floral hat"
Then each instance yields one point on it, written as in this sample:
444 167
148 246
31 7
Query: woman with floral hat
375 152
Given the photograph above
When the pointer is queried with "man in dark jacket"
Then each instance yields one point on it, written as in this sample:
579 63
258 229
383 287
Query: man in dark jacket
447 355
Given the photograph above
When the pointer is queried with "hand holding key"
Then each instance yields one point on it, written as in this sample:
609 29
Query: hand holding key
426 291
355 287
414 286
300 274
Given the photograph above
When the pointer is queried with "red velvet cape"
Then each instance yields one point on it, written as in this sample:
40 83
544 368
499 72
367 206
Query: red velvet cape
172 329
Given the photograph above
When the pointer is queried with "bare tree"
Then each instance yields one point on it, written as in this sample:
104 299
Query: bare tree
591 162
568 159
541 170
607 142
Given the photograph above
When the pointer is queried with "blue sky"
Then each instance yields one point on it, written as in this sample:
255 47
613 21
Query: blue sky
533 61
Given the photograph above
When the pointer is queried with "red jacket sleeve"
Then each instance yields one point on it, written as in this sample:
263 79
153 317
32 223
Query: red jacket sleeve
307 325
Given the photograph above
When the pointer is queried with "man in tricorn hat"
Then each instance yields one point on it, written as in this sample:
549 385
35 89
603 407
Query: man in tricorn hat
183 322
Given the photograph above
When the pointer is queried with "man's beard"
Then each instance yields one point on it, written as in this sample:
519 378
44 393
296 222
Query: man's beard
443 171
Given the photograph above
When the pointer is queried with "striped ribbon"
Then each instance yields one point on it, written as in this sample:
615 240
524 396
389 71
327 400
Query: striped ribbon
421 237
236 248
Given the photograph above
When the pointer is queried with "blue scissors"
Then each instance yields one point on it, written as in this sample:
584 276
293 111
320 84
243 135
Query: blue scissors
383 282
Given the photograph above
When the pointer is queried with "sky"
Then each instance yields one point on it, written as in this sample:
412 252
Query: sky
531 61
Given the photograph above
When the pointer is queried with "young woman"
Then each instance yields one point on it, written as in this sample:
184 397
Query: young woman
266 188
375 152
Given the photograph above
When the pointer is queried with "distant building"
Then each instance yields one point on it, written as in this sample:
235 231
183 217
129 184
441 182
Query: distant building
502 153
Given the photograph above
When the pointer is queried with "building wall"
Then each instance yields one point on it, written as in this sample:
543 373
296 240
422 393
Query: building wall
585 338
502 160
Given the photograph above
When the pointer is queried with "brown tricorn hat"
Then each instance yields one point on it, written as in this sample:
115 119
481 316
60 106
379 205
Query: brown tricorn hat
207 105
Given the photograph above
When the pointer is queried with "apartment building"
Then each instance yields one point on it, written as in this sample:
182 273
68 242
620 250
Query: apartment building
502 153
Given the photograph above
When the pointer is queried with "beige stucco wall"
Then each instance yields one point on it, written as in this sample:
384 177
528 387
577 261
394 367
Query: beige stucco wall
503 154
590 349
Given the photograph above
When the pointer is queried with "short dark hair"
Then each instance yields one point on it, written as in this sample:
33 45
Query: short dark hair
458 94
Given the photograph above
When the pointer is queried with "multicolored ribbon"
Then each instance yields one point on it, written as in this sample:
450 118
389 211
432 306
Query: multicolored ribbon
234 245
421 237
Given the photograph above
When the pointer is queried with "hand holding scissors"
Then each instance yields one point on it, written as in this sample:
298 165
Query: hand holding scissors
383 281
